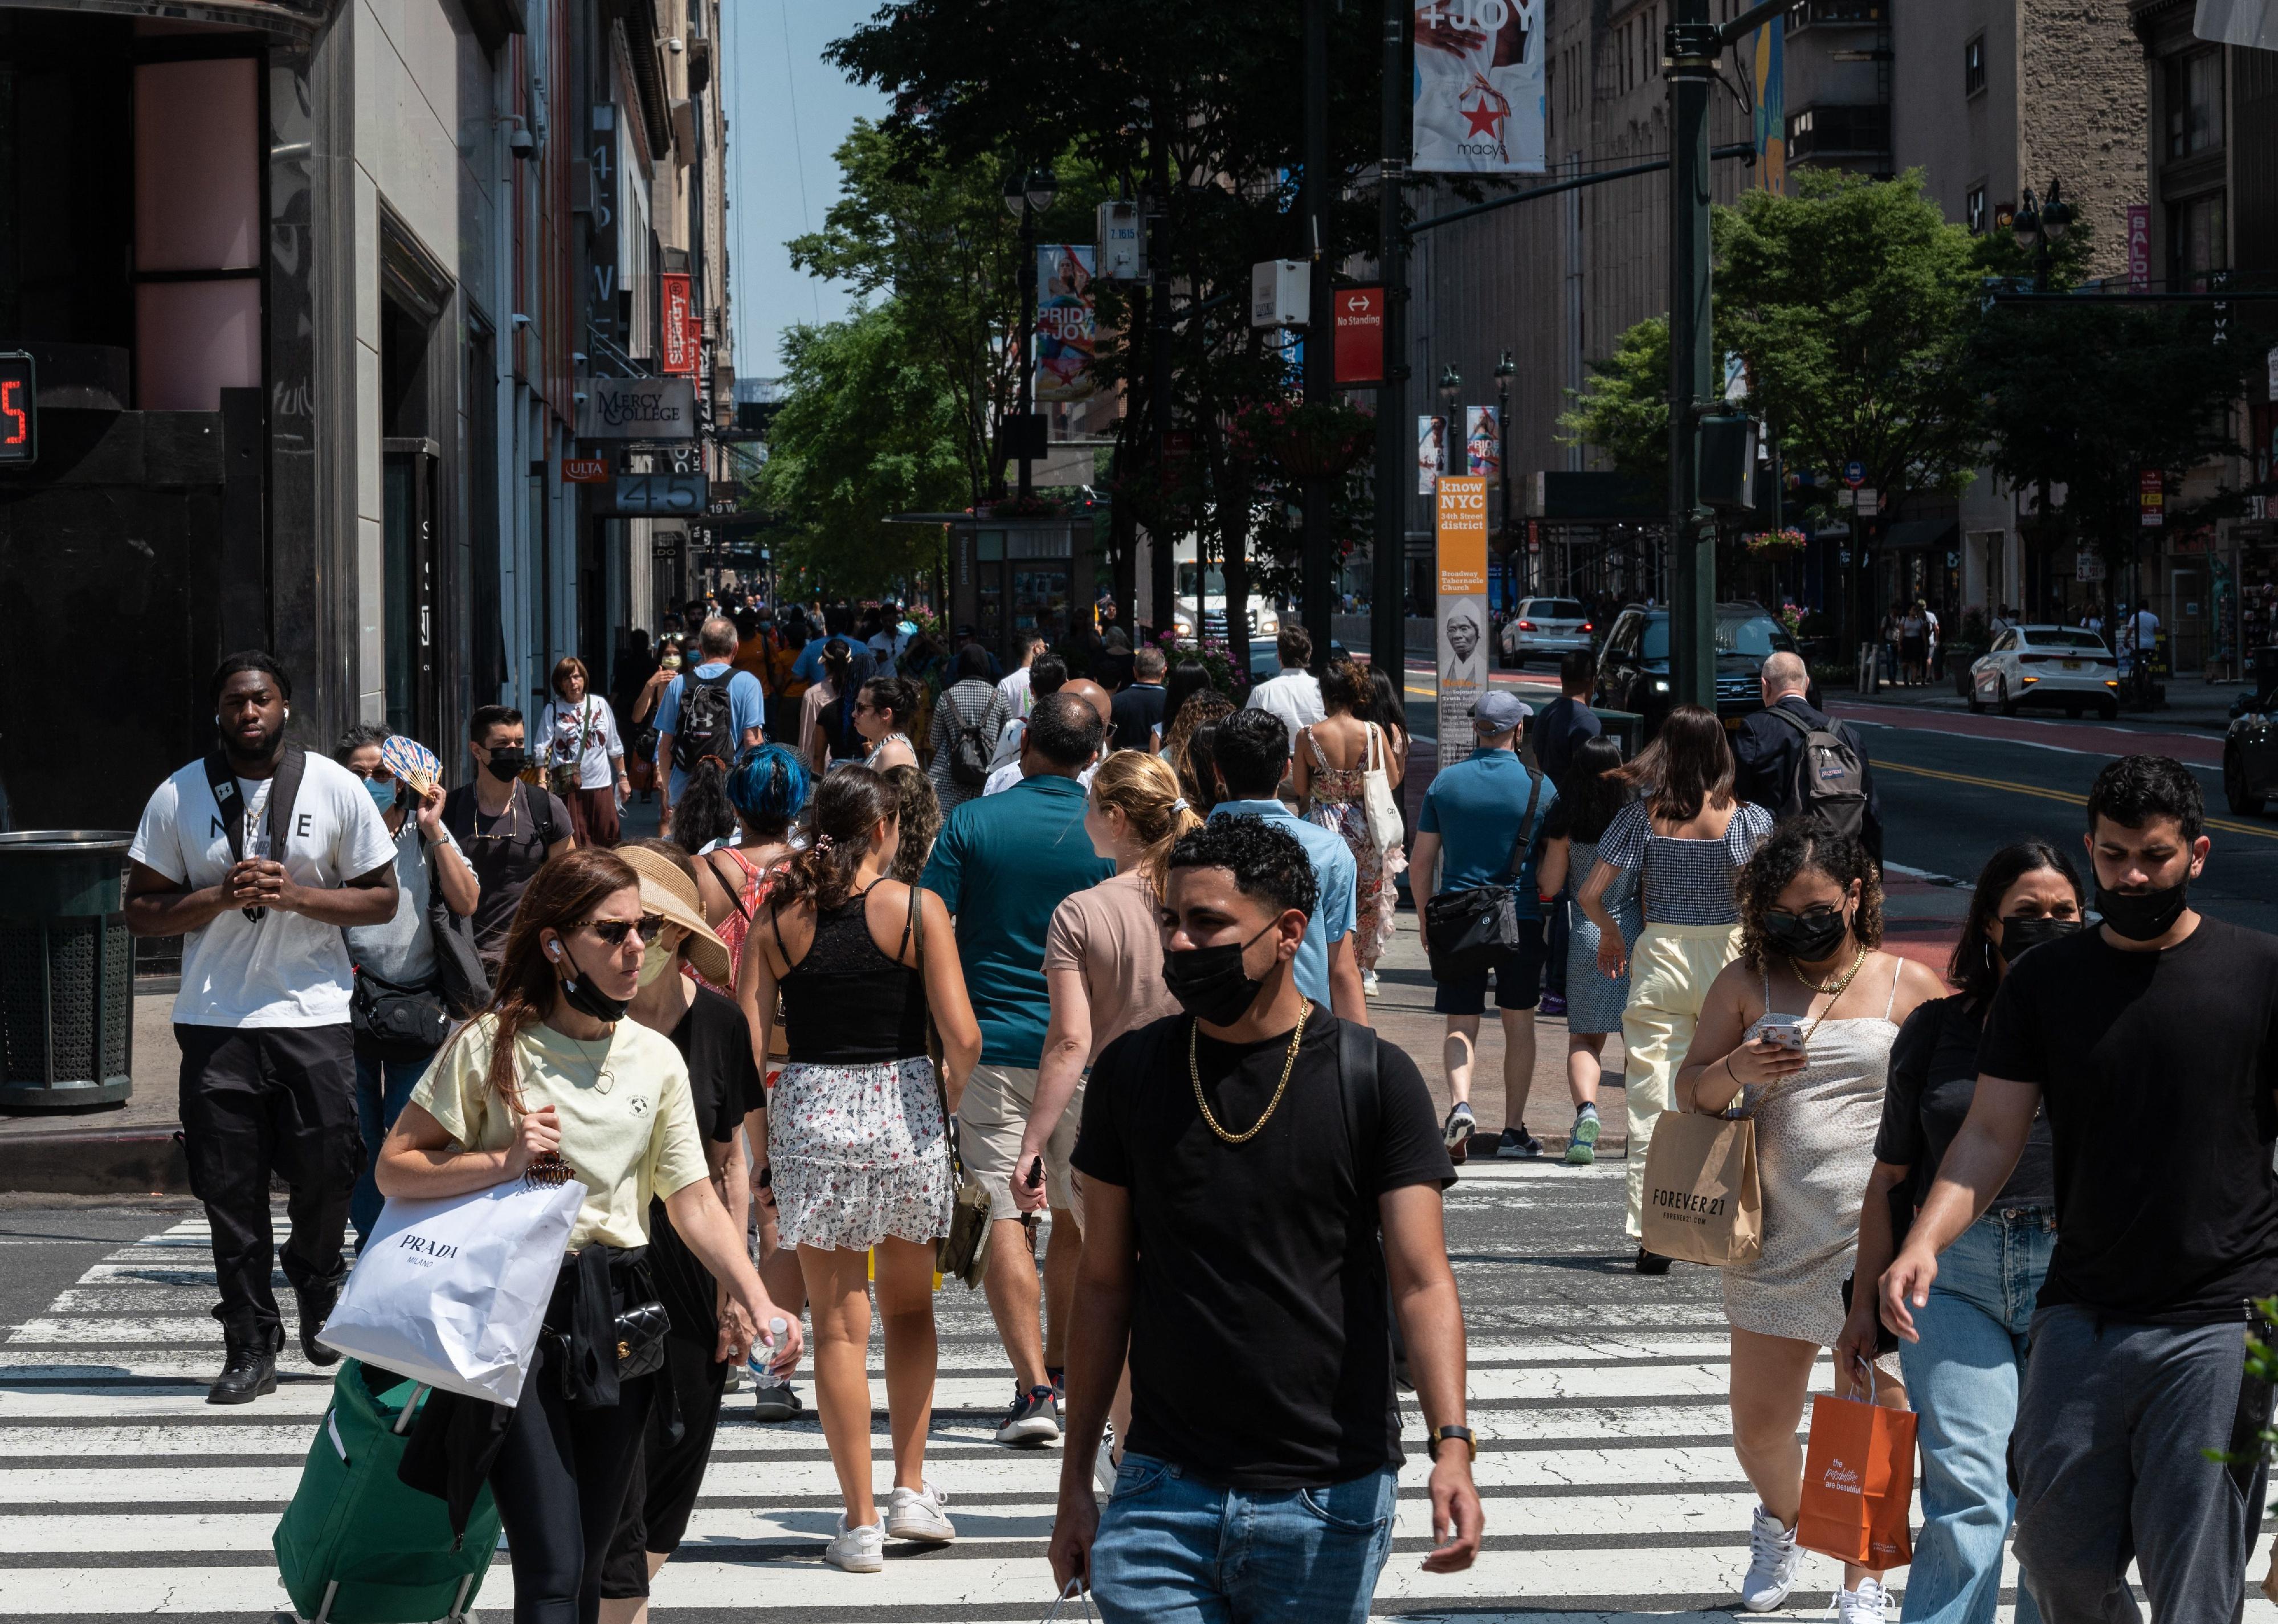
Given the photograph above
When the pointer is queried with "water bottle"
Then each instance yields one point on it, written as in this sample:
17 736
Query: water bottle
761 1357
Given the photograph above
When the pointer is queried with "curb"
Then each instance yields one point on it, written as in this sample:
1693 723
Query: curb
140 1161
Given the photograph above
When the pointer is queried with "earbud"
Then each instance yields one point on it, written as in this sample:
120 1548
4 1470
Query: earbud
288 713
552 950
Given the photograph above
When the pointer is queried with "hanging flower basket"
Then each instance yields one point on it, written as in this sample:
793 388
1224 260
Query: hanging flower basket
1775 541
1026 507
1320 441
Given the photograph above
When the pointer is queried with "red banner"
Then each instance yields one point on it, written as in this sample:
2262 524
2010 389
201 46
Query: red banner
1360 334
682 333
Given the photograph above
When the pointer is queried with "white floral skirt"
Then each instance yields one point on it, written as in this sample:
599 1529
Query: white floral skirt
858 1154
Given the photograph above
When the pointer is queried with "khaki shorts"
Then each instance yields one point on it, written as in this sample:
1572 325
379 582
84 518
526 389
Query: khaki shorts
992 1118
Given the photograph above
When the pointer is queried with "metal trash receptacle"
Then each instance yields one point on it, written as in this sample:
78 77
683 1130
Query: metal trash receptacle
66 970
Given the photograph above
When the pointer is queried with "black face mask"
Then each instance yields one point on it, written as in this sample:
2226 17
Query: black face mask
578 991
1810 939
2143 915
505 765
2022 933
1211 983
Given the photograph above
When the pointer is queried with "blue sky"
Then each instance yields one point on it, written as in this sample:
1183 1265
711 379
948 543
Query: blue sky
787 111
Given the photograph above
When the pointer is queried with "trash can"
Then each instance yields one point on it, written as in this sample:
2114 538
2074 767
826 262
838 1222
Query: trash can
66 970
1625 728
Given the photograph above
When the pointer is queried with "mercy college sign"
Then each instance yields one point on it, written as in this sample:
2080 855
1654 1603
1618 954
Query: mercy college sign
636 408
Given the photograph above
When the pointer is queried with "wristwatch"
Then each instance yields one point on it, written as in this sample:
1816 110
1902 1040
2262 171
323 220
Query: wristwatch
1444 1433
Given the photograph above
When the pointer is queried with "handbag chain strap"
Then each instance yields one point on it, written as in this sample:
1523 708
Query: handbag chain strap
940 1086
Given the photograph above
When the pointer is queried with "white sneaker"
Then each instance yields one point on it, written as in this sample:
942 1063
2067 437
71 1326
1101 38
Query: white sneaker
1771 1564
1863 1605
861 1550
1368 983
916 1514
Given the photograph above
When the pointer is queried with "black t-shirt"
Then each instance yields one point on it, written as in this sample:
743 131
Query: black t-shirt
2157 1072
723 1081
1137 711
504 852
1260 1258
1933 1078
1559 730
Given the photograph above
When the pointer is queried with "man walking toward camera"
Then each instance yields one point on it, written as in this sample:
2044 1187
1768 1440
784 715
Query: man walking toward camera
1262 1187
258 855
2152 1042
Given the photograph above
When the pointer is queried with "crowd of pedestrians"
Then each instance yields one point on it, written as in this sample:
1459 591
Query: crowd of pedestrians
1102 957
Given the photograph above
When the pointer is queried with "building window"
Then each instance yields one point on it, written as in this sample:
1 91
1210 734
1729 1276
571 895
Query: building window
1974 209
1840 131
2197 242
1973 66
2194 90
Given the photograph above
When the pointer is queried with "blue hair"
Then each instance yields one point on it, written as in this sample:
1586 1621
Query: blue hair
768 788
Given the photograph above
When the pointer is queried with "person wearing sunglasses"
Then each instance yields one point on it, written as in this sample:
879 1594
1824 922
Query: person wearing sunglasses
551 1079
1966 1371
883 711
1797 1033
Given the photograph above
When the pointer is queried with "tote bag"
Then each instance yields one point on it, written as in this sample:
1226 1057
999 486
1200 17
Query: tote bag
451 1292
1702 1203
1858 1481
1385 828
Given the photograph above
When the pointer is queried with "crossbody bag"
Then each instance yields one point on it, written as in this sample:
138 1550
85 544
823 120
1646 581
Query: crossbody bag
283 789
1466 932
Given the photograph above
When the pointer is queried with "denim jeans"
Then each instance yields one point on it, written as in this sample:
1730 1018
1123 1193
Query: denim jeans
1175 1549
1963 1376
383 1089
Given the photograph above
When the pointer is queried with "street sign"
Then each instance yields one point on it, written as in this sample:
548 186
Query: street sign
636 408
19 411
1360 334
1122 241
585 471
2151 498
649 495
1846 498
1280 292
1855 474
1869 504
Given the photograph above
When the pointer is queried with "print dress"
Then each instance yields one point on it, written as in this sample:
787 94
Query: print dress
1338 802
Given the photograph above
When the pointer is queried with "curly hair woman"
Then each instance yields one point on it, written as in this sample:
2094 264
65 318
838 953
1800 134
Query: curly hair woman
1797 1033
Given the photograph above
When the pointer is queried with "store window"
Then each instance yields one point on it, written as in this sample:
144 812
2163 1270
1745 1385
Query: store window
2193 103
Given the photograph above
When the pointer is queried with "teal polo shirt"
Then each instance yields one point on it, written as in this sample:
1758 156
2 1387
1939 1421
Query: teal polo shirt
1003 863
1477 806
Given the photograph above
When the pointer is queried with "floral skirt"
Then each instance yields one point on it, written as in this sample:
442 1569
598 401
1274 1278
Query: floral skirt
1374 900
858 1153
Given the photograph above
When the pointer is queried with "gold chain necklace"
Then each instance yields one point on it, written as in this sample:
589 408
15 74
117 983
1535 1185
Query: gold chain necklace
1288 1064
1797 971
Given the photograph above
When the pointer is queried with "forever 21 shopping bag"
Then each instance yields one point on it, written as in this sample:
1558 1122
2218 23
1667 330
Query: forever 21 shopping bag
452 1293
1702 1203
1858 1482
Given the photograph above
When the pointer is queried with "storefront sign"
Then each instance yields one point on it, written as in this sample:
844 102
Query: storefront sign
1461 612
1360 334
20 411
2089 566
643 496
636 408
2139 248
601 288
1478 106
682 335
2151 499
585 471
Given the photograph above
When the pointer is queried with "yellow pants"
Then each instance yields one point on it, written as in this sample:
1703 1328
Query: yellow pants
1670 972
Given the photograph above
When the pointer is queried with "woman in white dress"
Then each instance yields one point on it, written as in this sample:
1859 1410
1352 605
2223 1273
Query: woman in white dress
1810 967
583 757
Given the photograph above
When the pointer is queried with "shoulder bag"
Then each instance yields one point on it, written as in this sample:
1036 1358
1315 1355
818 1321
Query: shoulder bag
460 977
1465 931
962 1253
1386 827
563 778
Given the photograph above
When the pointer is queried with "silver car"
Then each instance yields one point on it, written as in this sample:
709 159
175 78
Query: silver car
1544 628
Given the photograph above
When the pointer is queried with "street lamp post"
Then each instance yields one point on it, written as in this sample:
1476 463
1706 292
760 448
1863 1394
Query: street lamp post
1396 454
2038 227
1503 376
1026 196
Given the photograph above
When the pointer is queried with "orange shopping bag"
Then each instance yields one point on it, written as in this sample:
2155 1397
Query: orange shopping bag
1858 1482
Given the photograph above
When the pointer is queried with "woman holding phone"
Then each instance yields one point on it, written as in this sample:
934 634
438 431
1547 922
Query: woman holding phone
1965 1371
553 1079
1797 1033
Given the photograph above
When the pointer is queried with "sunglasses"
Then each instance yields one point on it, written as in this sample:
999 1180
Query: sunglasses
1821 915
613 932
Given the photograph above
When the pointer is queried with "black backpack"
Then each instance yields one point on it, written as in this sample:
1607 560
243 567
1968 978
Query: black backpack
1829 786
707 723
968 751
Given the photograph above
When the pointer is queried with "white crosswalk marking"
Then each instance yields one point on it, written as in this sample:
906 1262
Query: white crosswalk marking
1605 1464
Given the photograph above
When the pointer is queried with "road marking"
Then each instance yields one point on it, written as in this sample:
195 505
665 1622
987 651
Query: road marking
2067 796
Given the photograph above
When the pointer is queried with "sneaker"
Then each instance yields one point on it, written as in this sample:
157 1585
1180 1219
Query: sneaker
777 1403
1517 1145
1368 983
1057 1375
1460 1127
916 1514
1651 1262
863 1549
1582 1143
1772 1553
1033 1418
1863 1605
1554 1004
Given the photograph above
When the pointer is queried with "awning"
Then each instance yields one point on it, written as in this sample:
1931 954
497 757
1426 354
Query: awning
1908 534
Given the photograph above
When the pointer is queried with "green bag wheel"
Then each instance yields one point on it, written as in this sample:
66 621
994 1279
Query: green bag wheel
359 1546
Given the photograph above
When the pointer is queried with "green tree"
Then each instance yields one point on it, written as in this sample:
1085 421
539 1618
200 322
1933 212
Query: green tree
867 428
1624 410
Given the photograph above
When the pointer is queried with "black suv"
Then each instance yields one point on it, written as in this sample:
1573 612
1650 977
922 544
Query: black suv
1633 664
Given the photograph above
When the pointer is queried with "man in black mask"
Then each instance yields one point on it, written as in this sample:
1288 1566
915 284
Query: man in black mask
257 856
2153 1042
1241 1162
506 828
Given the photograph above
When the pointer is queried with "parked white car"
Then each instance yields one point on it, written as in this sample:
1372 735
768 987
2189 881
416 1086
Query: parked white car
1544 628
2046 665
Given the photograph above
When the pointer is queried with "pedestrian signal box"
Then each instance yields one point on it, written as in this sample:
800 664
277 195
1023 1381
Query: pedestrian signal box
19 415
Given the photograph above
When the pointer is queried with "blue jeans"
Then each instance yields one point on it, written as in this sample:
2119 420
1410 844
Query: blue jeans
383 1089
1963 1377
1175 1549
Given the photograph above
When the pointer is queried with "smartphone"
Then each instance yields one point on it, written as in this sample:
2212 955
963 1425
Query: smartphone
1787 1034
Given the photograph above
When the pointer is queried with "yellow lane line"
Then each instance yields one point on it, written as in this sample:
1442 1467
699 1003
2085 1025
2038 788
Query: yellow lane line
2224 825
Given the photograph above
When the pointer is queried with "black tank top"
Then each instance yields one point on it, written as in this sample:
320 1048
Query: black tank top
846 1003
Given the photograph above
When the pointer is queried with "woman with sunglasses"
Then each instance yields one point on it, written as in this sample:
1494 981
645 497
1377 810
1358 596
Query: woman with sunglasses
1797 1033
856 1137
553 1079
882 714
1965 1371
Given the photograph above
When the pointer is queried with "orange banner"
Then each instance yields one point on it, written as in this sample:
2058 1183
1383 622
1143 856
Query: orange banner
1463 630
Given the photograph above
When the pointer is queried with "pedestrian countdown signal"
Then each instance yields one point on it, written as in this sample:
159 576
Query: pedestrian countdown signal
20 416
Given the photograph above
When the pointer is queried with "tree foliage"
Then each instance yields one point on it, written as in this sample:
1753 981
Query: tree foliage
1623 409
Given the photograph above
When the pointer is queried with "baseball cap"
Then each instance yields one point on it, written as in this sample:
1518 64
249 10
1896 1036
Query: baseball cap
1498 712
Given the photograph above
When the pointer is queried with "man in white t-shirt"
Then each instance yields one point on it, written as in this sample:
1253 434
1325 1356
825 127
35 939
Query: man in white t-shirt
1016 686
268 1081
1295 696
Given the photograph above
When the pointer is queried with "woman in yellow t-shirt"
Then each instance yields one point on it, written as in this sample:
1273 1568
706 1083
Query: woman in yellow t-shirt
552 1079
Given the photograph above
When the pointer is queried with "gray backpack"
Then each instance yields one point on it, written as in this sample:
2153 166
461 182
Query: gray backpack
1830 786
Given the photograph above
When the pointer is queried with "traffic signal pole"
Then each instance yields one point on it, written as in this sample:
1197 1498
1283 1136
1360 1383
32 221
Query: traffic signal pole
1395 451
1317 592
1693 46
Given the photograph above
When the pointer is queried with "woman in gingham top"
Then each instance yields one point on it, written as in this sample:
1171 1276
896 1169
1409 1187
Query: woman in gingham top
1687 838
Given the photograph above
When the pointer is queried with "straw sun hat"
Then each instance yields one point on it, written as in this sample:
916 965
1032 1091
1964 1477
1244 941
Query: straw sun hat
670 895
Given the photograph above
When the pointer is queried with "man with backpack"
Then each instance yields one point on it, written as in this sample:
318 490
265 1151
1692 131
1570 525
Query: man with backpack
712 710
967 719
258 855
1794 760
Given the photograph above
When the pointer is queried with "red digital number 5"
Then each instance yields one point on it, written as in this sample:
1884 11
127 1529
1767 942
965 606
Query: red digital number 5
11 415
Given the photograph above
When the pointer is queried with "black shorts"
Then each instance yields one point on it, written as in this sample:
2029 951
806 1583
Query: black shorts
666 1476
1517 979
